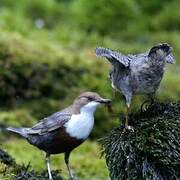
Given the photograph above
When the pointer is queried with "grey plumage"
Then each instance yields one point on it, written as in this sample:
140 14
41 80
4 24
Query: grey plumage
50 123
137 74
141 73
21 131
46 125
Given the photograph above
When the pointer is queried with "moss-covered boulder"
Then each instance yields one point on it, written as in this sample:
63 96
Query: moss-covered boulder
9 169
152 151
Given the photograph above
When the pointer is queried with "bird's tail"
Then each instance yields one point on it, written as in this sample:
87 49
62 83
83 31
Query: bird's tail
20 131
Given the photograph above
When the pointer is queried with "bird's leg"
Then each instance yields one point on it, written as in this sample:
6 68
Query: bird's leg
66 159
127 127
127 117
48 166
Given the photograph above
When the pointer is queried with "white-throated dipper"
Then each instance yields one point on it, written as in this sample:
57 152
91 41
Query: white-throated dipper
137 74
64 130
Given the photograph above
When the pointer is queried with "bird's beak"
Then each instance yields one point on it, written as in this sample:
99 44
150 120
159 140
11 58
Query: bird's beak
104 101
170 59
108 104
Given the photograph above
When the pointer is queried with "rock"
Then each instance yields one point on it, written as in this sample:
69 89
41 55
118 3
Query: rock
152 151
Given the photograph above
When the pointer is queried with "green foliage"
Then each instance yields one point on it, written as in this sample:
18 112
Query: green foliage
153 6
169 18
50 12
152 151
28 13
112 18
30 73
104 16
18 117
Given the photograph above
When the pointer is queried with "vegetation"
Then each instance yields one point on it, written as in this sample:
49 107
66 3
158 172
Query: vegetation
152 151
47 58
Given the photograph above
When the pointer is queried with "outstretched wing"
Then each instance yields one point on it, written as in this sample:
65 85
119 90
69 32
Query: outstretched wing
113 56
50 123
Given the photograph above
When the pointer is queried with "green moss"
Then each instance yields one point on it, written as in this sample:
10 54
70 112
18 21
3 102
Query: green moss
10 170
152 151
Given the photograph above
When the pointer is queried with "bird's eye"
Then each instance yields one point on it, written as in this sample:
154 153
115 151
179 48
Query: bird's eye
90 98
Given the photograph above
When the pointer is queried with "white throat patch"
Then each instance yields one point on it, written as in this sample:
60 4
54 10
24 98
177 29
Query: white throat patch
80 125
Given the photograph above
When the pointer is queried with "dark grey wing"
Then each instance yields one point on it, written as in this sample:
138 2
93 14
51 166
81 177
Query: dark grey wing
50 123
113 56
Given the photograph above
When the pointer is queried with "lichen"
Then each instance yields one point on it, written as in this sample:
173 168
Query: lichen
152 151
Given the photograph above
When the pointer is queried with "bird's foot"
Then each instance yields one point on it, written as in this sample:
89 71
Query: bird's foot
128 128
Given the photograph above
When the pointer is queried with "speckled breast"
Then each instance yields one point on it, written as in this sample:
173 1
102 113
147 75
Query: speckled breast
147 81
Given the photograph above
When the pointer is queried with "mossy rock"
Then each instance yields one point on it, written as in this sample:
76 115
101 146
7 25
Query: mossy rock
152 151
10 170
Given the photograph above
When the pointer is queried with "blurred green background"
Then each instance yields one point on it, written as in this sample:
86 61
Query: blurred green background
47 59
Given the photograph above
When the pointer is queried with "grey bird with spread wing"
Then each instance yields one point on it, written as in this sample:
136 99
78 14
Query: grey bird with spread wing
64 130
137 74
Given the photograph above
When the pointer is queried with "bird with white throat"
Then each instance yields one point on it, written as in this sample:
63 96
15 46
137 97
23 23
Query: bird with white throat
65 130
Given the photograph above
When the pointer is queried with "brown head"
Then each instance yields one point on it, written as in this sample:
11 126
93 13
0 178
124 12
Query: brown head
90 100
